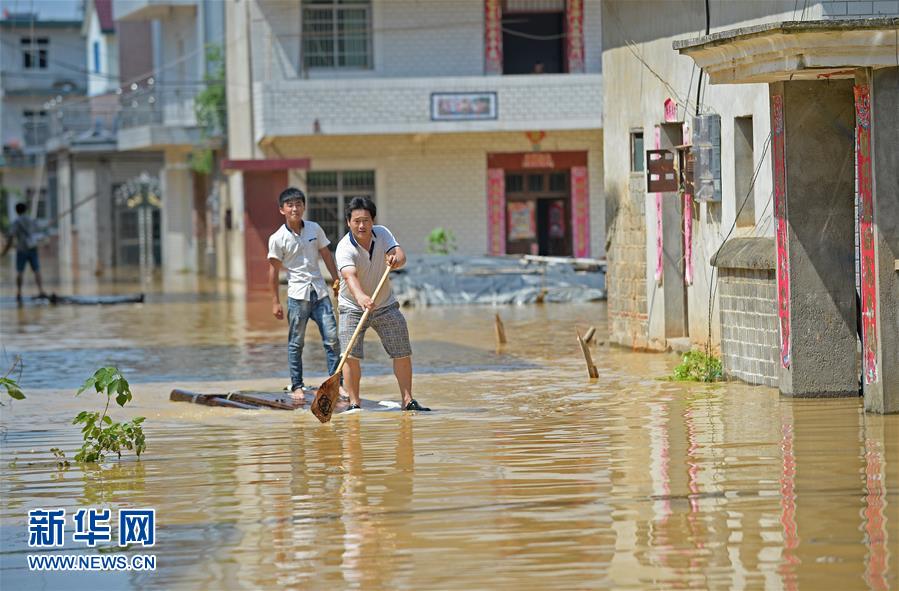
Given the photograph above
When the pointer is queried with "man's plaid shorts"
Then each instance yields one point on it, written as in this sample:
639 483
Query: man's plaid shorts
388 322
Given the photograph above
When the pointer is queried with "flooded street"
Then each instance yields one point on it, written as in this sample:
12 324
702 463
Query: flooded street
528 475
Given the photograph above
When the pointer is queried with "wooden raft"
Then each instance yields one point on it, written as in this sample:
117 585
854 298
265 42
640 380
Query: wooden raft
256 400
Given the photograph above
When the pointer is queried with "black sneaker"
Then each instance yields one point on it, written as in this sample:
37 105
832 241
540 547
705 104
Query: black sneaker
353 407
414 405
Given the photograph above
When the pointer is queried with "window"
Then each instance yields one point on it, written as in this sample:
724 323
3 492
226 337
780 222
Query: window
637 154
96 57
34 52
743 170
328 193
35 127
337 34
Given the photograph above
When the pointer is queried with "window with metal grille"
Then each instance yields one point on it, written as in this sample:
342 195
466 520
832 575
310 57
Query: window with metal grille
337 34
34 52
328 193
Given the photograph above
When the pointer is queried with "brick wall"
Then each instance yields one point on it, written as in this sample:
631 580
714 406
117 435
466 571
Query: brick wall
626 276
749 331
859 9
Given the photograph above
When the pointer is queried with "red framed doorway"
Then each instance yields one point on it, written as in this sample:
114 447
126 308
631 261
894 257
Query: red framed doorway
538 203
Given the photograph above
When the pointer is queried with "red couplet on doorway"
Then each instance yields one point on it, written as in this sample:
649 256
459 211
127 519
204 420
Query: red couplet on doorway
538 203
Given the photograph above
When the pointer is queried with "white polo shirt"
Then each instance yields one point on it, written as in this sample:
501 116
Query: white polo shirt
299 255
370 266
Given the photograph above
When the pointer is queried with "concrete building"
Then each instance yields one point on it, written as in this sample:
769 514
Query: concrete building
159 115
42 61
482 117
825 80
108 224
694 250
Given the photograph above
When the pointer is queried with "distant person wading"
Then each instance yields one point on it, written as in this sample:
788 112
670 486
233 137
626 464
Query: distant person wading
23 232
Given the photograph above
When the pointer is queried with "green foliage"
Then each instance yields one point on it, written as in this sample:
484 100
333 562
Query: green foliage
12 384
210 106
60 456
201 160
441 241
698 366
101 434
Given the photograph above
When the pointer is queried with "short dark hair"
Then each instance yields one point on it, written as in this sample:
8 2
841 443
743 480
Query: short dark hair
361 203
291 194
21 208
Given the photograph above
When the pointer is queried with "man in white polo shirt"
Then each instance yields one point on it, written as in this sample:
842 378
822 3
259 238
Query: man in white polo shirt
297 246
362 257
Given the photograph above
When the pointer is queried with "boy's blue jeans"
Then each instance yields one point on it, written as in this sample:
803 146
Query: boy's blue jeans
298 314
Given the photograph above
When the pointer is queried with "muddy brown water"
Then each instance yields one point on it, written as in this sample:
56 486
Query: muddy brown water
527 476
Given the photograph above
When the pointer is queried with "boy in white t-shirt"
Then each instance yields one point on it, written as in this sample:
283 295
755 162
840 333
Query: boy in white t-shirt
297 246
362 257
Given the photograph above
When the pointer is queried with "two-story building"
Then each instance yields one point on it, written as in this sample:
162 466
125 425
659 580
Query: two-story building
42 62
159 114
105 227
482 117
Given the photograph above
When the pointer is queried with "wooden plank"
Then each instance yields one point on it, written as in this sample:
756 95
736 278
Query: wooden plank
278 400
208 400
258 400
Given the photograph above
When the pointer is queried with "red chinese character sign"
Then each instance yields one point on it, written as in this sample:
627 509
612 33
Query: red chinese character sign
868 266
670 110
778 157
580 211
574 13
496 211
493 37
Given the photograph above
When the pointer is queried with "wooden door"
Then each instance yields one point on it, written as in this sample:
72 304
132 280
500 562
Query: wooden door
261 219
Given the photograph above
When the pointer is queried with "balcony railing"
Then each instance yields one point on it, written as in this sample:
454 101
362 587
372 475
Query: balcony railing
68 121
154 105
18 159
411 105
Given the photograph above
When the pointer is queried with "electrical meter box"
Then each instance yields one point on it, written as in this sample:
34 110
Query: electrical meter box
707 154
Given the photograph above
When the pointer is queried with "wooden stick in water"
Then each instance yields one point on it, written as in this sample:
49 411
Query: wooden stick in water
500 331
591 369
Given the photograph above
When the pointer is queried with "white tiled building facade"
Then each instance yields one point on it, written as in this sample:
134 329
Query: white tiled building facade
369 112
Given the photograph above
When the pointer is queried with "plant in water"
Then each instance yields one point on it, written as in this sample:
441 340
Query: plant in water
101 434
60 457
441 241
12 384
698 366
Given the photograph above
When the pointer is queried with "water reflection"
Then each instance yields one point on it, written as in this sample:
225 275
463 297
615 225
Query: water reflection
528 475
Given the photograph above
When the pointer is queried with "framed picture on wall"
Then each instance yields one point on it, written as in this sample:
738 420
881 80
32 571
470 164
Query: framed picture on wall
463 106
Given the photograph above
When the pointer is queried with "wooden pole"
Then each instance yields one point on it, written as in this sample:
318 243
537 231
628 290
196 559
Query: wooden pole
500 331
588 336
591 369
